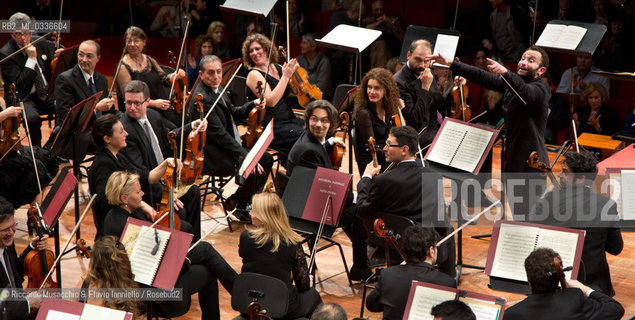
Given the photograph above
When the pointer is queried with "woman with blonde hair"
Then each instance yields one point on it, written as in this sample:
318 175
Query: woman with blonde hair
596 117
376 102
272 248
217 31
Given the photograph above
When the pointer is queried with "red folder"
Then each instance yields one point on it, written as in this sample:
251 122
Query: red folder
327 182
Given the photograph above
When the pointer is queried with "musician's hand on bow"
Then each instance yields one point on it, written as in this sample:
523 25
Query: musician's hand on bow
339 141
10 112
58 52
495 67
104 104
197 123
260 105
40 244
438 58
31 51
371 170
161 104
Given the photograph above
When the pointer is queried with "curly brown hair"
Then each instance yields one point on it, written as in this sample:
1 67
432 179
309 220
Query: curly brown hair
390 102
264 42
200 40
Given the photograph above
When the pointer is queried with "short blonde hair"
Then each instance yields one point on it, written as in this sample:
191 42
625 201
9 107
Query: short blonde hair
268 208
216 24
595 86
119 183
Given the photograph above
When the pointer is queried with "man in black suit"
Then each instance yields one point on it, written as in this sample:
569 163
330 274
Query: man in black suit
402 191
29 71
312 150
577 206
14 266
548 301
81 82
419 92
223 150
391 293
147 146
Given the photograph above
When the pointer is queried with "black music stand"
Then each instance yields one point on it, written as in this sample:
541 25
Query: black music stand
426 33
66 60
74 125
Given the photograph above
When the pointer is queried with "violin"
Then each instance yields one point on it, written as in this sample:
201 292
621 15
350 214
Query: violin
254 129
194 158
338 151
167 197
255 312
82 248
10 136
179 86
373 151
300 80
534 162
560 272
37 262
460 110
389 235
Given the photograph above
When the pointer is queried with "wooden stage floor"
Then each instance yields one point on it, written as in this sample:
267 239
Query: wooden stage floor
335 288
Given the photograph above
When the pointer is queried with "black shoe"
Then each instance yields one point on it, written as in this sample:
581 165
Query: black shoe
229 204
242 215
360 274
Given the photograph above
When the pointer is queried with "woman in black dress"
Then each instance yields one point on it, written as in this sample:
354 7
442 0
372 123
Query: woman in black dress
596 117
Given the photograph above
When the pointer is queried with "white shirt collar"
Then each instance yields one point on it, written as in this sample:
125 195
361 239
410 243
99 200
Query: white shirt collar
86 75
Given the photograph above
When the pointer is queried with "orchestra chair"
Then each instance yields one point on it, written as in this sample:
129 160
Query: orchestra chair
213 184
236 91
340 94
271 293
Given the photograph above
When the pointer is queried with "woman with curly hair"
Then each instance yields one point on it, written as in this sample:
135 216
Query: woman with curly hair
596 117
376 102
203 46
275 250
276 89
109 268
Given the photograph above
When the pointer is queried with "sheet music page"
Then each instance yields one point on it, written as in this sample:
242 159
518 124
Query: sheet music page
58 315
446 45
571 37
254 150
515 243
628 195
448 142
550 35
483 309
93 312
132 232
472 149
562 242
615 190
351 37
144 264
424 299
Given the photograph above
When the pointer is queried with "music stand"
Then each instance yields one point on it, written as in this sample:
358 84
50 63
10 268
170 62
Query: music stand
258 8
426 33
349 39
74 124
588 44
66 60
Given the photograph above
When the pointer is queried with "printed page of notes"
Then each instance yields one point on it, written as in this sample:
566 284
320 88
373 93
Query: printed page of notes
628 195
93 312
515 243
58 315
144 264
472 149
484 310
564 243
448 142
424 299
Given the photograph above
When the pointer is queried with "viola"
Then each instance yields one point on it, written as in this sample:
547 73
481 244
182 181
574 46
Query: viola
167 197
194 157
10 136
300 80
534 162
254 129
460 110
177 99
338 151
37 262
373 151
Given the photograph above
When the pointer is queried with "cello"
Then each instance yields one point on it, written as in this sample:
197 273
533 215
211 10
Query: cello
37 262
337 154
256 115
194 158
300 80
167 198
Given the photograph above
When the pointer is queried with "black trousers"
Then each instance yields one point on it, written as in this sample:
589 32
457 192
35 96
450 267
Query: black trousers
35 107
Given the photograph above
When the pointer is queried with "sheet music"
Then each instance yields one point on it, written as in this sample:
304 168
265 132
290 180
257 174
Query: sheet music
132 232
144 264
446 45
471 150
562 242
93 312
268 131
448 142
424 299
561 36
515 243
484 310
58 315
628 195
460 146
350 37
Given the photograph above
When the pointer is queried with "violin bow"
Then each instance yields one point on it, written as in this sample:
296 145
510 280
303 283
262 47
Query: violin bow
319 233
59 30
70 238
219 97
513 90
178 61
24 48
28 134
114 79
468 223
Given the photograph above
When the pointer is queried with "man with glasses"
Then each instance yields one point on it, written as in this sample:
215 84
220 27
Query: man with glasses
408 190
147 146
30 71
82 81
12 273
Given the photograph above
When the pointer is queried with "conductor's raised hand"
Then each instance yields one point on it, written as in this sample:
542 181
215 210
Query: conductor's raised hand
438 58
495 67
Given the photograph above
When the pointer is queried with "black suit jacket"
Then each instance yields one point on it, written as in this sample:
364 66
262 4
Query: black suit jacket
392 289
309 152
565 304
116 220
16 309
222 150
71 88
13 70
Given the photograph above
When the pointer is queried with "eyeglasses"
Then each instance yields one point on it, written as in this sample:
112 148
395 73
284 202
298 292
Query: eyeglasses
136 103
394 145
9 229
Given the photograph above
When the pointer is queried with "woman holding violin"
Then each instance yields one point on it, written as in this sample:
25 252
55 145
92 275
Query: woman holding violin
110 137
136 65
259 55
376 103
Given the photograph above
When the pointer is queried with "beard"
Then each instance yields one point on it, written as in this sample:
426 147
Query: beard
529 75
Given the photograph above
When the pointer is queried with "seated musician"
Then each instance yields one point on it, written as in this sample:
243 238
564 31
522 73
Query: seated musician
312 150
13 265
110 138
576 205
203 265
391 292
81 82
549 301
401 191
17 175
30 72
272 248
147 145
223 150
452 310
